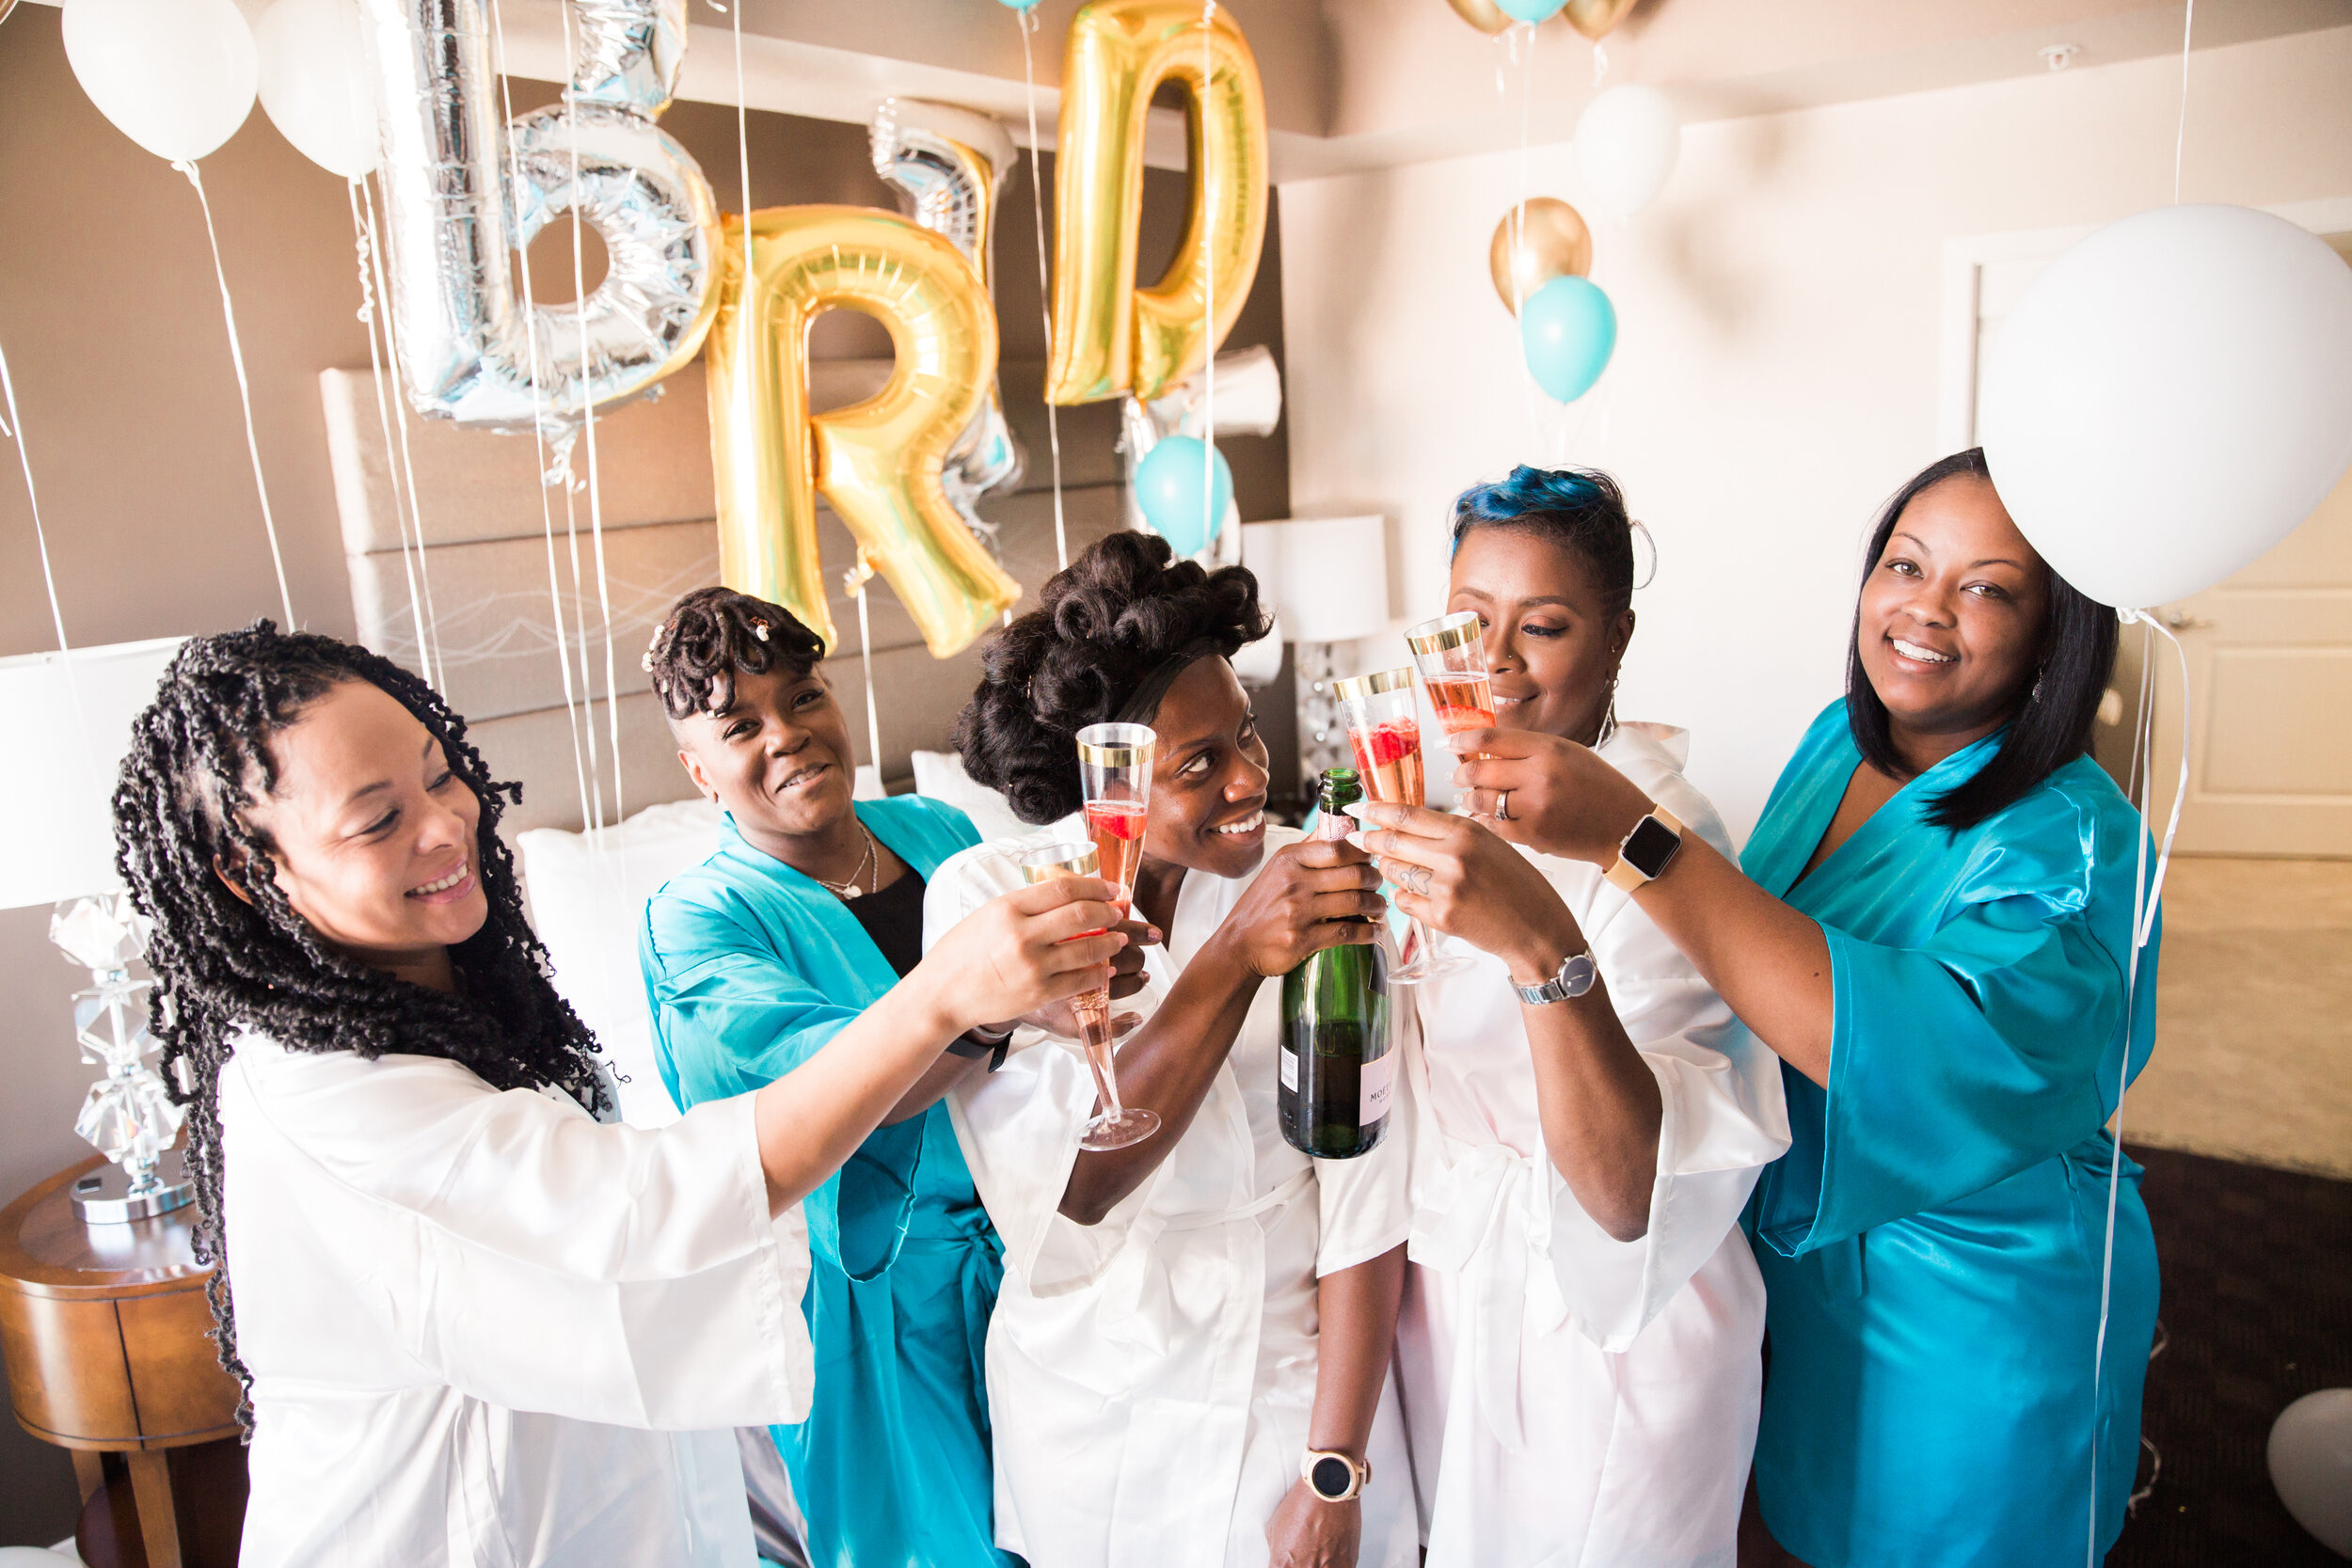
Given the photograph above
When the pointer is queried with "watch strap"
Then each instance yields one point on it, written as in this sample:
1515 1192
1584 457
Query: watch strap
1576 975
1623 873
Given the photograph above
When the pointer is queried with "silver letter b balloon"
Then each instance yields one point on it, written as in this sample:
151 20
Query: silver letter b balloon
466 191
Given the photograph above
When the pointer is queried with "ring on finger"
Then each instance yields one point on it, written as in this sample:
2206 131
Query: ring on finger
1502 805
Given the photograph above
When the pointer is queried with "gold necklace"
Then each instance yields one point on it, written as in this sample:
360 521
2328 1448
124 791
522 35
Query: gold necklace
850 889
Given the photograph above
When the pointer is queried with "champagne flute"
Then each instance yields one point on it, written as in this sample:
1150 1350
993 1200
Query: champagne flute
1450 652
1115 774
1387 740
1115 1126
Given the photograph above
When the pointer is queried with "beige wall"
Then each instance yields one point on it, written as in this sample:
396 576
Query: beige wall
1777 367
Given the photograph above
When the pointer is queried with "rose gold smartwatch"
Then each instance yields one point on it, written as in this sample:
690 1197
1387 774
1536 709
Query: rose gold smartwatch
1337 1478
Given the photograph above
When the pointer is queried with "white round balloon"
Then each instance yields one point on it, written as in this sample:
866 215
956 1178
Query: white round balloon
2310 1465
1626 142
316 84
2171 398
176 76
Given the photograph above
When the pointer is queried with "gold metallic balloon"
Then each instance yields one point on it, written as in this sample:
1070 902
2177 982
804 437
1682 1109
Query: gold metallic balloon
879 460
1110 338
1551 241
1593 18
1484 15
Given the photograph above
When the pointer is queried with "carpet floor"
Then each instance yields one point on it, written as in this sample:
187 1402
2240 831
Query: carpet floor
2257 1312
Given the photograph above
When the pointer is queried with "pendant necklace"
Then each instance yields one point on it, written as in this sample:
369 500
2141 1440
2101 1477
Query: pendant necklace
851 889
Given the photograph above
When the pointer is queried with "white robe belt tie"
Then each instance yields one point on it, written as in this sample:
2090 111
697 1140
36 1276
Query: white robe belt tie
1132 1275
1487 1220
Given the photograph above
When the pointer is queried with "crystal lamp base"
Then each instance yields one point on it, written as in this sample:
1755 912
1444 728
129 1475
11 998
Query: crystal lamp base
104 1196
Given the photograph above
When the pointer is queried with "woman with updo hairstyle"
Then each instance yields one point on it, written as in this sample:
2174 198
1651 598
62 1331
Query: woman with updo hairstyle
1184 1321
1578 1346
476 1320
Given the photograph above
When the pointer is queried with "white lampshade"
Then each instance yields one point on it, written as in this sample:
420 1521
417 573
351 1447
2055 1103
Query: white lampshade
1327 577
68 726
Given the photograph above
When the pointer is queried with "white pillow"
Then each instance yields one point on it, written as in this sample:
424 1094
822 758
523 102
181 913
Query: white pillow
941 776
586 902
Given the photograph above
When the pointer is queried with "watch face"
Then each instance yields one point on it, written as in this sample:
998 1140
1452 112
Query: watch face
1331 1477
1652 845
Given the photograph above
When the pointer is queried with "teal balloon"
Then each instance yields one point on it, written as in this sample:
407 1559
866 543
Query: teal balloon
1530 11
1031 5
1169 490
1569 329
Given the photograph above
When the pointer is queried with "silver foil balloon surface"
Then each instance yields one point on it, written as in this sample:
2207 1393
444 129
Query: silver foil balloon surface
1248 402
948 166
465 191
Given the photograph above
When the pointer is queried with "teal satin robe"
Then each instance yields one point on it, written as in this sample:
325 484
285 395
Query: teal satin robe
750 968
1932 1243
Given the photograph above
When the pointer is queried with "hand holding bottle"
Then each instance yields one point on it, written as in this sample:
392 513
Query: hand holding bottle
1301 903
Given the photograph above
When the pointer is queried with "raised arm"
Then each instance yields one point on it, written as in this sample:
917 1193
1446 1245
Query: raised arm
1770 963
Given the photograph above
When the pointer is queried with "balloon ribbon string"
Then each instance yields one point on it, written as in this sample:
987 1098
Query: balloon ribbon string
2147 901
865 657
363 243
438 669
14 427
245 393
1026 21
2180 134
539 440
1209 525
588 420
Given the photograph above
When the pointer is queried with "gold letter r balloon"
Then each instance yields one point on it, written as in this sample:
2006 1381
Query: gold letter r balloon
1109 337
878 462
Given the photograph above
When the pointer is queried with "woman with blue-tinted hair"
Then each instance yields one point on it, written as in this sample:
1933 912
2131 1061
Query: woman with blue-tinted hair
1932 927
1577 1348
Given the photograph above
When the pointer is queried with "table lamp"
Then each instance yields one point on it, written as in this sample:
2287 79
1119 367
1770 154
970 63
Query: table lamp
1327 580
67 720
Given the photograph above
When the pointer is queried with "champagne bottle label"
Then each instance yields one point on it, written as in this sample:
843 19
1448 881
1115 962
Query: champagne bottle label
1289 1053
1377 1086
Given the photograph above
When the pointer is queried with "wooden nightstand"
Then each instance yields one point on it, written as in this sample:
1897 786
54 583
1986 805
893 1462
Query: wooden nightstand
108 1342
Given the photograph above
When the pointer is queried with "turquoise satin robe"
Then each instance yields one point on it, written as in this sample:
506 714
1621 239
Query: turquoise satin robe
750 968
1932 1243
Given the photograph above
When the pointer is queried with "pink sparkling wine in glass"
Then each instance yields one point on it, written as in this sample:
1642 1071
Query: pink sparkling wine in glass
1462 702
1117 829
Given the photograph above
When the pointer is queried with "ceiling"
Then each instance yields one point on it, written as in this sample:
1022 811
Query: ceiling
1363 84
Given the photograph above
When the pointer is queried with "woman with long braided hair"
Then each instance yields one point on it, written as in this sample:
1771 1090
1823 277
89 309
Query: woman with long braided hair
474 1322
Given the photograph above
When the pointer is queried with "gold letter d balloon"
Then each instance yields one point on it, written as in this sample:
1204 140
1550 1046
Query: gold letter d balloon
878 462
1111 338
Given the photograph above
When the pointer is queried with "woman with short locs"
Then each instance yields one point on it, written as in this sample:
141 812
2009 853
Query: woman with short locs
1577 1351
1187 1320
1932 927
476 1321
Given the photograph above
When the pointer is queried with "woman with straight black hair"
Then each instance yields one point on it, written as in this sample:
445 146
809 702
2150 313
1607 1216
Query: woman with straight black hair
1932 927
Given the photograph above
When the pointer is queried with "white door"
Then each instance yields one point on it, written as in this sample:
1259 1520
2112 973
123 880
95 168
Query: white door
2270 654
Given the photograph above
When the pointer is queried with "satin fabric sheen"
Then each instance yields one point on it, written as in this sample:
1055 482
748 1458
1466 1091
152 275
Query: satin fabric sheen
1572 1399
1931 1245
486 1329
750 969
1150 1377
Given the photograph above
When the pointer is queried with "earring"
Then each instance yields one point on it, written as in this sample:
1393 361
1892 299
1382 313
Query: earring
1609 718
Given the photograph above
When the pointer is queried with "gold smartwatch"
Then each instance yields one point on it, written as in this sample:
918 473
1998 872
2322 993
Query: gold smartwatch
1645 853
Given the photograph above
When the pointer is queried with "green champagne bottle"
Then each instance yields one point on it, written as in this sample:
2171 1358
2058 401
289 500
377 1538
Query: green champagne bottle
1338 1075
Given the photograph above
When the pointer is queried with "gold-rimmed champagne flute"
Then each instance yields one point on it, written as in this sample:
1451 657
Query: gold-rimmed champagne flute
1113 1126
1115 778
1386 737
1450 653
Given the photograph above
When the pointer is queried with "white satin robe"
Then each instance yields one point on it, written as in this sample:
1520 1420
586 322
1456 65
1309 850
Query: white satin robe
1573 1399
486 1329
1150 1378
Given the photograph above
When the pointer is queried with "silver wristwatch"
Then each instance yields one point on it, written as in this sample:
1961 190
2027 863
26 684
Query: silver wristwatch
1576 973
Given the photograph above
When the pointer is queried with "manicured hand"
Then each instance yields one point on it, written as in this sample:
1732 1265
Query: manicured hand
1299 906
1019 952
1127 977
1308 1532
1547 793
1455 876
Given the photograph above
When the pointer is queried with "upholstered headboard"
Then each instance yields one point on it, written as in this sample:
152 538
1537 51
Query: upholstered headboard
495 568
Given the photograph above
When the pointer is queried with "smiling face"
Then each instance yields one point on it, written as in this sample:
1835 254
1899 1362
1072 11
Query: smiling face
1950 625
1208 776
374 840
1553 637
777 757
